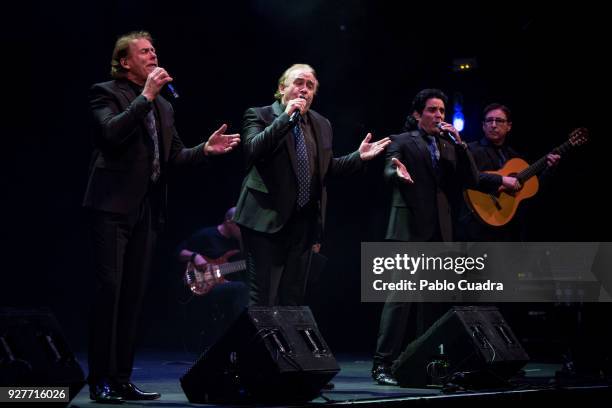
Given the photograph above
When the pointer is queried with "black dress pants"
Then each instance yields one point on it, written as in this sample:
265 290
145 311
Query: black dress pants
402 321
277 263
123 247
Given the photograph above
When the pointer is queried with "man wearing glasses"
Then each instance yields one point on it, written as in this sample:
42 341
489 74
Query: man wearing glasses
490 154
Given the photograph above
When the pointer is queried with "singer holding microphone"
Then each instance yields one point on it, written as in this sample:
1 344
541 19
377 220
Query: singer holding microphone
135 143
428 166
281 209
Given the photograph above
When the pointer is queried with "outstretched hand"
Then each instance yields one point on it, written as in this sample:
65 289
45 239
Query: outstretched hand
402 172
368 151
220 143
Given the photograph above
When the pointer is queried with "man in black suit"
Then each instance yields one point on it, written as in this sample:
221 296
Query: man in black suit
135 144
490 154
281 209
423 202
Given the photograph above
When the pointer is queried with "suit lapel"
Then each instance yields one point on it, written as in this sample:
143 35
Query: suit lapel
318 134
446 149
278 110
419 140
165 137
491 154
127 92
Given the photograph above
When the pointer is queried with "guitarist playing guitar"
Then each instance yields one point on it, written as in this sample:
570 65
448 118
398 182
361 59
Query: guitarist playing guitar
491 154
214 302
211 251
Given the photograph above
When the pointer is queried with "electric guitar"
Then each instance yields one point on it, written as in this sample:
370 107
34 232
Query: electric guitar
497 209
201 281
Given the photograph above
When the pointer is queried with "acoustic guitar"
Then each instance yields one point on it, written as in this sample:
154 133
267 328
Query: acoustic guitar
202 281
497 209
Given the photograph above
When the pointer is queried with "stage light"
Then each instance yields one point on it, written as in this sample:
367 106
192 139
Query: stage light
464 64
458 121
458 118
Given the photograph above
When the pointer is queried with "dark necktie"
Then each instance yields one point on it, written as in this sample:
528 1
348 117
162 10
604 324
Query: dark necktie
433 151
502 157
152 128
303 173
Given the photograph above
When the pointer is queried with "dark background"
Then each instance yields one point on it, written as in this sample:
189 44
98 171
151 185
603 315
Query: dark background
371 58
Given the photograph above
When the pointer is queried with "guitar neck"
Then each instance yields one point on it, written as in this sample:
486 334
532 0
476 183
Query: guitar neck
232 267
540 164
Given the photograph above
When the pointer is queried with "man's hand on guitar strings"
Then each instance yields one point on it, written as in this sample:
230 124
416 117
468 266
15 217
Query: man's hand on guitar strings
510 185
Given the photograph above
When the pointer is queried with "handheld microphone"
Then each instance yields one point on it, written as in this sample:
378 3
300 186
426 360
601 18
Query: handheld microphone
296 115
446 134
173 91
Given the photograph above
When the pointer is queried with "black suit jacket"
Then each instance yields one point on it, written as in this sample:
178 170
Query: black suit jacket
417 209
487 159
268 195
121 165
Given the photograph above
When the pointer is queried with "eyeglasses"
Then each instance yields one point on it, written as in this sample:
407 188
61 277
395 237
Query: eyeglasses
490 121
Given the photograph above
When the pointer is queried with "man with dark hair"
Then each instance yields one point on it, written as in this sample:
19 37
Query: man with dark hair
281 209
424 197
424 200
490 154
135 144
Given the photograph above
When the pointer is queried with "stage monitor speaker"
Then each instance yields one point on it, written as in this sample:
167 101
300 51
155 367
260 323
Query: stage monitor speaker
269 355
470 345
34 352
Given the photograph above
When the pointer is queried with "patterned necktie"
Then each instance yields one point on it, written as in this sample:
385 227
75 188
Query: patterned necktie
303 173
152 128
433 151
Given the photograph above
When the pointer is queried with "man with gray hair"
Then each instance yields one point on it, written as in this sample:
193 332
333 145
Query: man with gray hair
281 209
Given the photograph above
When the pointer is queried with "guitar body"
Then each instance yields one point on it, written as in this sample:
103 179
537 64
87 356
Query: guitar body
497 209
200 282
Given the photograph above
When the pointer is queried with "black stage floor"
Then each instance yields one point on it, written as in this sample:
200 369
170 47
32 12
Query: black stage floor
160 371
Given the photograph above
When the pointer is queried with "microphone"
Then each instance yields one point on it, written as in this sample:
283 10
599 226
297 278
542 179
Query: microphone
296 115
447 135
172 91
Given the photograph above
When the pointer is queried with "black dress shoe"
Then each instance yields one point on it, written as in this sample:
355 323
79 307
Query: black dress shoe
105 393
382 375
130 392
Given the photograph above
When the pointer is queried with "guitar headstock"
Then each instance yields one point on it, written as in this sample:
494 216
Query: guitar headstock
579 136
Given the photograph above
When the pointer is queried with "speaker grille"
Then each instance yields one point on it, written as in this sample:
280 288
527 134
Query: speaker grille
271 354
472 339
34 352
